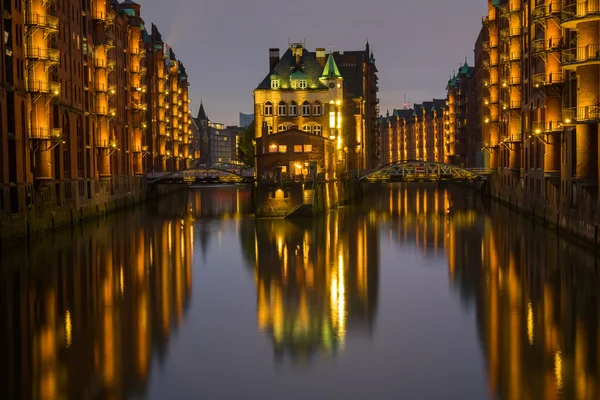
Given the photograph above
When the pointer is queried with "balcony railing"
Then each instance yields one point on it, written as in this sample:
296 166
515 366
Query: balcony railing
581 55
548 79
48 87
49 22
545 45
511 105
43 54
139 88
106 15
510 7
105 64
580 11
548 10
510 57
38 133
139 106
585 114
510 32
103 88
107 111
546 126
485 20
510 81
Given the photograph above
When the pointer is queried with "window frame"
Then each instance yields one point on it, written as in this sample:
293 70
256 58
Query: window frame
282 105
293 109
317 108
268 108
317 129
306 108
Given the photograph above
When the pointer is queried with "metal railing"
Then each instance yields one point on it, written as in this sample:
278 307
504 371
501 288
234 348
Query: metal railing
45 133
582 114
581 54
38 86
551 9
546 79
546 126
42 53
579 10
42 21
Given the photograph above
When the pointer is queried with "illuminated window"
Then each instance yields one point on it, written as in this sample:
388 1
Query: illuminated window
293 108
297 148
317 109
268 108
282 107
306 108
317 130
302 84
282 128
306 128
332 119
307 148
273 148
282 148
275 84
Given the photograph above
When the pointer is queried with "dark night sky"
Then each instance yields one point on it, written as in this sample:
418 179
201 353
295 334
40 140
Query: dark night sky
224 44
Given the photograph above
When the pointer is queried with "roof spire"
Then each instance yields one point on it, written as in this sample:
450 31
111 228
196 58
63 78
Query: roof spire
331 69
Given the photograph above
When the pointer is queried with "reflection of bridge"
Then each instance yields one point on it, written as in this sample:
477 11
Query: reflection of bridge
415 171
217 173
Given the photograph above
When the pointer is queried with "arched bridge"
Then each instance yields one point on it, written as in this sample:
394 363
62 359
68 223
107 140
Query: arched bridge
204 174
415 171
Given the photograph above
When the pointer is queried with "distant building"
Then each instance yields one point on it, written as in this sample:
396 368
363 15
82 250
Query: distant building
246 120
414 134
461 112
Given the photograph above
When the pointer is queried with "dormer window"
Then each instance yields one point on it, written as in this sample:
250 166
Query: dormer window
302 84
275 81
298 80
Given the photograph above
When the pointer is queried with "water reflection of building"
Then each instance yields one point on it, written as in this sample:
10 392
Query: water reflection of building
537 308
316 281
84 314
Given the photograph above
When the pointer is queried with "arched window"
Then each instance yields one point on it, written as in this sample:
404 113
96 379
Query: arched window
317 108
317 130
282 108
293 108
306 128
268 108
282 127
306 108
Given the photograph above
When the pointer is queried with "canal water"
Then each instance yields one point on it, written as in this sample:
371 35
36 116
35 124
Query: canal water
421 292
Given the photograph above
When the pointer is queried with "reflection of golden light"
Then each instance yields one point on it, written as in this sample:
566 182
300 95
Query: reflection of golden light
121 281
68 328
530 322
169 237
558 369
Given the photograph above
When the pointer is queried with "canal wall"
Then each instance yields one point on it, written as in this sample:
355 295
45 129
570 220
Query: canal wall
578 223
60 204
300 199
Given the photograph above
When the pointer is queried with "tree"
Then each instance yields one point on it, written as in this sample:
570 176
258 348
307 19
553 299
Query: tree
246 146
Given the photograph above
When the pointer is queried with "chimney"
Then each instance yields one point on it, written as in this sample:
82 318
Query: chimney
273 59
321 56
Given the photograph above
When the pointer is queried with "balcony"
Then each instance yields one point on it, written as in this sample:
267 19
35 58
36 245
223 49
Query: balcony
103 88
139 70
514 137
510 8
581 11
510 81
548 79
139 106
139 88
511 105
585 55
486 21
581 115
105 64
508 33
545 45
106 16
544 11
510 57
36 133
42 54
43 87
540 127
106 111
47 22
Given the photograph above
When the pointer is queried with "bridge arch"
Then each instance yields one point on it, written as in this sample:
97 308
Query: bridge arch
415 170
208 172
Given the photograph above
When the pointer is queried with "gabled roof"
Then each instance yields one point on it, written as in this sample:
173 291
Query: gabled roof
331 69
201 113
403 113
287 65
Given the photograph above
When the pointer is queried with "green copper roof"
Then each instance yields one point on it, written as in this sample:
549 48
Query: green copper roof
331 69
298 75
